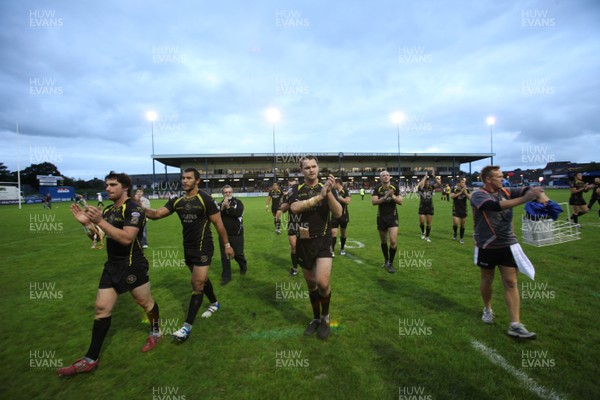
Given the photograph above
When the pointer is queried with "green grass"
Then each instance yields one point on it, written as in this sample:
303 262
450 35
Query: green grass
233 355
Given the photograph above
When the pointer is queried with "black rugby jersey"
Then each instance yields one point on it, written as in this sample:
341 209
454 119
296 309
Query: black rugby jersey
343 194
129 213
426 195
460 202
577 184
317 219
388 207
193 213
276 196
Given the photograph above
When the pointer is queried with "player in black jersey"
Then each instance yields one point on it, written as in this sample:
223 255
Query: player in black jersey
595 196
343 196
386 195
576 201
426 204
274 200
196 210
290 222
313 202
125 271
459 195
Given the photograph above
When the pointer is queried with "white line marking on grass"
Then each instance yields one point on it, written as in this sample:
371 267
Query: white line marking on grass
353 258
529 383
354 244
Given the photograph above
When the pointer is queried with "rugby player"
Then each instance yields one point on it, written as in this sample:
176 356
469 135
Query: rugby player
313 202
125 271
426 204
386 195
576 201
595 197
274 199
343 196
196 210
459 195
291 226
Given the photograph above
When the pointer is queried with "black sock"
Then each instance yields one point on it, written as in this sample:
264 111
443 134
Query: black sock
294 260
462 232
343 242
315 302
99 331
422 228
325 303
195 303
333 241
384 249
154 319
454 228
574 217
392 254
428 230
209 291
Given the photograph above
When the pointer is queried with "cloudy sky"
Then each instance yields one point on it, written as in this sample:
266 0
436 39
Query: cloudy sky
79 76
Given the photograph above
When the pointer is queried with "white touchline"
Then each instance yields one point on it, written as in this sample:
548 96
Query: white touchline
529 383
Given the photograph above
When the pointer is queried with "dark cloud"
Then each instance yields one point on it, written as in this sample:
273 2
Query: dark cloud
81 75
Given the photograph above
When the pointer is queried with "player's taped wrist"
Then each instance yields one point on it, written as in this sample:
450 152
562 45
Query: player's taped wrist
312 202
227 245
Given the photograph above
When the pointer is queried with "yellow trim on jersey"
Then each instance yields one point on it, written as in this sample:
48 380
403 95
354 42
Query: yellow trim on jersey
207 220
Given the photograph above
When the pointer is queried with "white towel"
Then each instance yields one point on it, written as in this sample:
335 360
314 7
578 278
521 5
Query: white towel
525 266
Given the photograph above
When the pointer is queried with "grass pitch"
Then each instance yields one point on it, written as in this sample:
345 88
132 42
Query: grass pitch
413 334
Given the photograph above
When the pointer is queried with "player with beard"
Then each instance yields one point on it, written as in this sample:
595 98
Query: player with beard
125 271
386 195
196 210
313 202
